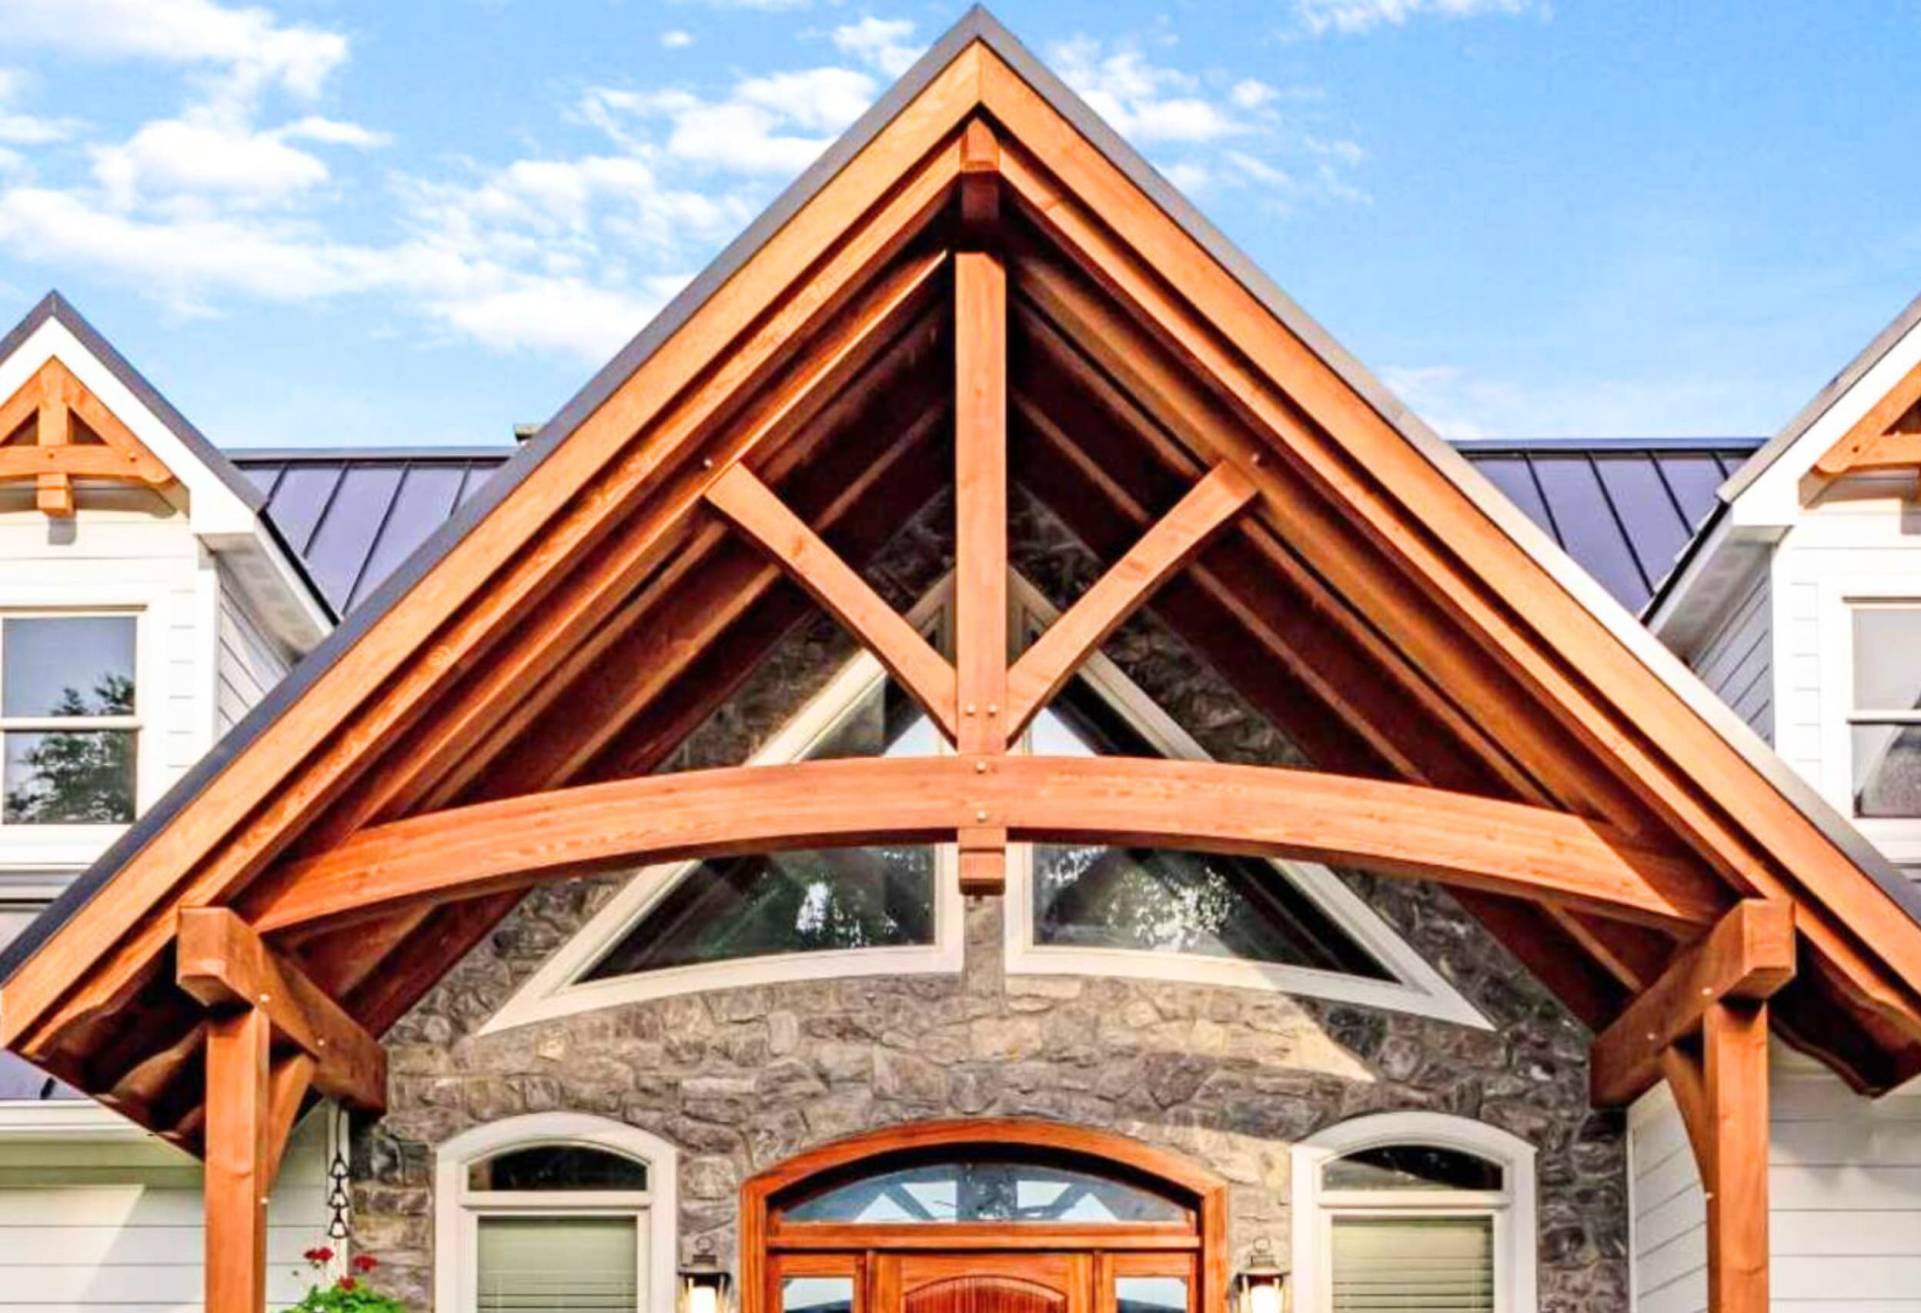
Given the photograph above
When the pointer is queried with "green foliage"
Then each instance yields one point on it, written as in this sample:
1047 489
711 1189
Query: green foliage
348 1295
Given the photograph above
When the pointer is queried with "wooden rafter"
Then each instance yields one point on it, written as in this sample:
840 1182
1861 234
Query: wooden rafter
53 458
1394 828
1046 667
756 511
1886 439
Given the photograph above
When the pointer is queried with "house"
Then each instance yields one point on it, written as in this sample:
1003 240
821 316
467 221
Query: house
981 762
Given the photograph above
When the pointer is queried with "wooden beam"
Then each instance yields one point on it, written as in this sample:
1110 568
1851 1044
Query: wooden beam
53 459
225 964
1734 1051
240 1156
1173 540
980 528
1750 954
292 1076
1397 829
756 511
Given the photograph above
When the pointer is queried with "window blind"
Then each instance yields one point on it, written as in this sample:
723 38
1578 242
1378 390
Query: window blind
558 1265
1413 1265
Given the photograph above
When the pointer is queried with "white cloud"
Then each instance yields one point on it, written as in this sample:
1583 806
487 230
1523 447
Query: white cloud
256 48
1461 404
1145 102
205 156
333 132
676 38
1357 16
1251 93
882 44
773 124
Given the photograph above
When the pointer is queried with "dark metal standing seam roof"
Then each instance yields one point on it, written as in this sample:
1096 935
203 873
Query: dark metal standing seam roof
1622 507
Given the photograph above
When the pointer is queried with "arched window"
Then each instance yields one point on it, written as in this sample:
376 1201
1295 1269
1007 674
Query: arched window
1414 1210
554 1210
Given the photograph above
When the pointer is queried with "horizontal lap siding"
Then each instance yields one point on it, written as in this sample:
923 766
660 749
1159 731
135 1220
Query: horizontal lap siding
117 1225
1736 661
1844 1182
248 663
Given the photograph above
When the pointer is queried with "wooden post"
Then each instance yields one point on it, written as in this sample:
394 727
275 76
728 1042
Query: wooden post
239 1160
980 501
1734 1051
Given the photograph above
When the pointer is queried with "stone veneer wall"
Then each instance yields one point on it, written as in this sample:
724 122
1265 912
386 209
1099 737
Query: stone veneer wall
741 1079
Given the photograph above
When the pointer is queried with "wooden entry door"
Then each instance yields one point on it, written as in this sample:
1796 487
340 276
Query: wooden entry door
983 1283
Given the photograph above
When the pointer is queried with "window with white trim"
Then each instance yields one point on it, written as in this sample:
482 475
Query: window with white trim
69 723
1414 1210
1884 712
555 1211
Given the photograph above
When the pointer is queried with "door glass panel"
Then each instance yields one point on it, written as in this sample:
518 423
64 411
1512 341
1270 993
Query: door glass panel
1430 1264
538 1264
984 1190
817 1295
1168 900
1150 1294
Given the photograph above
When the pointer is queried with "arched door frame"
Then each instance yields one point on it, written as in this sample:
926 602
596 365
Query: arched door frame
1204 1192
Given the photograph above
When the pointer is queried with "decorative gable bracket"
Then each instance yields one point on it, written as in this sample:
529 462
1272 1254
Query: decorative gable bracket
43 443
1885 440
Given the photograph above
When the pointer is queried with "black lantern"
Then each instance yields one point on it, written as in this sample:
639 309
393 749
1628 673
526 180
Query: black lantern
1261 1284
705 1286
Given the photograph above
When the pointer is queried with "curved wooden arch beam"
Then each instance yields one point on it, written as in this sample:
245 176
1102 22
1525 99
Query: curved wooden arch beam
1395 829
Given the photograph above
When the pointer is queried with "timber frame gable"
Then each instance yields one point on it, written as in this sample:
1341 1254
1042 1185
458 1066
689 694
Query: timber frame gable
978 285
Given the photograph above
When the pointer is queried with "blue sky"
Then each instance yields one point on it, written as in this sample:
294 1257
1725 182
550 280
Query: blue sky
319 221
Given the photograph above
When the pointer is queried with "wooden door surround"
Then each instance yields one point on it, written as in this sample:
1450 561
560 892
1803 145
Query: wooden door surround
1028 1266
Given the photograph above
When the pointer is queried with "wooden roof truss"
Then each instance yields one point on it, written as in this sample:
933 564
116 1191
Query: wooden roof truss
978 293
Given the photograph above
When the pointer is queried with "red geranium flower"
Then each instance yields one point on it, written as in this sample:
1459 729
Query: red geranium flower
318 1255
365 1262
347 1283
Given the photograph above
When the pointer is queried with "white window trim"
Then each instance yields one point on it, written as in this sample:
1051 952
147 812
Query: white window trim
557 989
1417 988
1513 1209
457 1212
1899 838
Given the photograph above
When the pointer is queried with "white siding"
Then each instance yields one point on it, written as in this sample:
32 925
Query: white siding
1844 1183
1668 1210
117 1224
1737 659
248 661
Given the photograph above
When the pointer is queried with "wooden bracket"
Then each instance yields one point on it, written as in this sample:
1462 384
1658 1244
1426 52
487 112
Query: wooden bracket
225 964
53 456
980 184
1750 954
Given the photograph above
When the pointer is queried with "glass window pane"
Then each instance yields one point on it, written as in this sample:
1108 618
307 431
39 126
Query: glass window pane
1430 1264
1412 1167
1887 769
66 665
984 1190
547 1264
1887 677
795 902
1150 1294
1166 900
68 777
19 1079
557 1167
887 722
817 1295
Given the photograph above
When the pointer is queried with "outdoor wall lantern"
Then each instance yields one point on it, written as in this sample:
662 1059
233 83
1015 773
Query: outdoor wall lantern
1261 1285
705 1286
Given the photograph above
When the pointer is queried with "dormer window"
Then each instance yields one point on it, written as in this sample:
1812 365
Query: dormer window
68 719
1884 718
